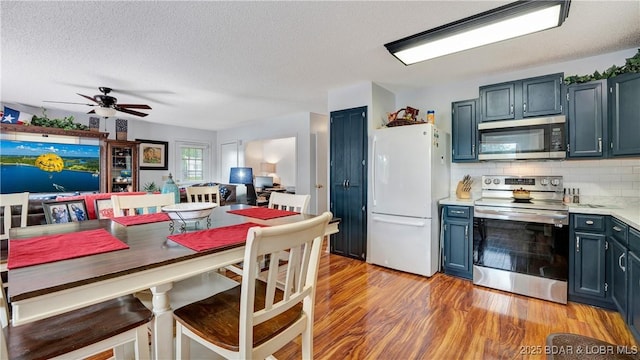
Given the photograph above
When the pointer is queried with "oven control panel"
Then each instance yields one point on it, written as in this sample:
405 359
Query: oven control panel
531 183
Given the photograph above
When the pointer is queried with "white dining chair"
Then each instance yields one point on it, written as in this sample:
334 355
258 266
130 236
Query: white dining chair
130 205
291 202
6 202
78 334
255 319
203 194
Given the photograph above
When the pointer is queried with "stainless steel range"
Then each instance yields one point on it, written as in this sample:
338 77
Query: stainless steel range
522 245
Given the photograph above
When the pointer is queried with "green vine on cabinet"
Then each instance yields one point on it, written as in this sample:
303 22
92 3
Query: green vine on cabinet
66 123
632 65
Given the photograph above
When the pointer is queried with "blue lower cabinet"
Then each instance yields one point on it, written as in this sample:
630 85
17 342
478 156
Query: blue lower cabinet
458 241
589 261
633 294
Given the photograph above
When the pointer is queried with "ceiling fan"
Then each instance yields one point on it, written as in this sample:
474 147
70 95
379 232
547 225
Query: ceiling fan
106 105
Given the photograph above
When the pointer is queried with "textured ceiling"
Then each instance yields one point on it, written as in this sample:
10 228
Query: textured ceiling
215 65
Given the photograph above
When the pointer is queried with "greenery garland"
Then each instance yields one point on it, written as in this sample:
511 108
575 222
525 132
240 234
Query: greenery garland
66 123
632 65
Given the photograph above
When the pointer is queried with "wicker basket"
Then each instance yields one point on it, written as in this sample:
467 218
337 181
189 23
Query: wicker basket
403 122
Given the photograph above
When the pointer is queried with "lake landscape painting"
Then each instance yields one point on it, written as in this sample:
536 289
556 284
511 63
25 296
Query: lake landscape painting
41 167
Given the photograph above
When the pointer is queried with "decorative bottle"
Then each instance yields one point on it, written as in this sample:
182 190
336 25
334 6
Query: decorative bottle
170 187
567 197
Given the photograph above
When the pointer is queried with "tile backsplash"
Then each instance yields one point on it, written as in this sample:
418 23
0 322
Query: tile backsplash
611 178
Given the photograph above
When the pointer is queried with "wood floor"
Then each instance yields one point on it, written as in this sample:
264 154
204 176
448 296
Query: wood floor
365 311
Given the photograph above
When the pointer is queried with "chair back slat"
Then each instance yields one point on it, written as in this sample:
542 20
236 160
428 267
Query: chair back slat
291 202
298 239
127 205
6 202
204 194
4 309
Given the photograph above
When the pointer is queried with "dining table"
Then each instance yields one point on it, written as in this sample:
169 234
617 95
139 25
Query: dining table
150 261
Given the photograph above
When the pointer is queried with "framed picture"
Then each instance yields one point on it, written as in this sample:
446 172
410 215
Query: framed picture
153 155
104 209
59 212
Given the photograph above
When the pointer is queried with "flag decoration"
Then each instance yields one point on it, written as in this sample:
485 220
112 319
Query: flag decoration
12 116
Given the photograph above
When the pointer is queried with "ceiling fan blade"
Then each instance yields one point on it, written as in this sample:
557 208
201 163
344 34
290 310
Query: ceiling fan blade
66 102
135 106
132 112
89 98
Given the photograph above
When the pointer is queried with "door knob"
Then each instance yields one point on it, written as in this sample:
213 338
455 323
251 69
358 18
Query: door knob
319 186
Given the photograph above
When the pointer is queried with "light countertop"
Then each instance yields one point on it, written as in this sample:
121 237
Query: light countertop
452 200
624 209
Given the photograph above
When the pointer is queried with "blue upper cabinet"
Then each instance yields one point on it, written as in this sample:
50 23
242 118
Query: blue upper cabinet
542 96
624 112
498 101
538 96
587 119
464 117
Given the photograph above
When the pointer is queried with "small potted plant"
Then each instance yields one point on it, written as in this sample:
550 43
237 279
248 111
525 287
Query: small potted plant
150 187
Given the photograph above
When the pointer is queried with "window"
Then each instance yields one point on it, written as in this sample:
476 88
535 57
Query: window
192 160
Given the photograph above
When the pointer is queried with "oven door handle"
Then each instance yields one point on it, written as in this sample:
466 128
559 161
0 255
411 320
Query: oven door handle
510 214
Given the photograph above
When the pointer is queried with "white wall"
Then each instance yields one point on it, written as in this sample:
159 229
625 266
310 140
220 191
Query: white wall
295 125
281 152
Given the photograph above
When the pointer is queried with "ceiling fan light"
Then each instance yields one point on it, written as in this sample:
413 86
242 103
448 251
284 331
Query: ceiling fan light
506 22
105 111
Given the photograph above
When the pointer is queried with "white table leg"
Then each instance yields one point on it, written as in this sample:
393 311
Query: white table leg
162 344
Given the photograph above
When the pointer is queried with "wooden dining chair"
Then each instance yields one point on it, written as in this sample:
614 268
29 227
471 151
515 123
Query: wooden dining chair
255 319
130 205
291 202
203 194
79 333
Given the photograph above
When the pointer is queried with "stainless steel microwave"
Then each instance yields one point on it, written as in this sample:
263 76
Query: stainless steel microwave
535 138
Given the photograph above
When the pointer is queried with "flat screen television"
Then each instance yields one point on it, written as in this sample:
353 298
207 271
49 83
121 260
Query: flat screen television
263 182
43 167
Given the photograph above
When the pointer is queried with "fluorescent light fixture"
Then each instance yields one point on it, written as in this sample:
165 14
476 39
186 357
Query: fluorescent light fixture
104 111
506 22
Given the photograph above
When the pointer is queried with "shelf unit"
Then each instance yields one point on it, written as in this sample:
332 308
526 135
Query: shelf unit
121 168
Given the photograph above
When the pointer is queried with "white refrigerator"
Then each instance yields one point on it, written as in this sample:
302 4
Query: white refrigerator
409 174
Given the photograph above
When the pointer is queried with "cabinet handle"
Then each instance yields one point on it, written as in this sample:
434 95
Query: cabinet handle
589 222
473 149
511 109
524 107
599 145
344 183
457 211
624 268
577 243
466 231
617 228
347 183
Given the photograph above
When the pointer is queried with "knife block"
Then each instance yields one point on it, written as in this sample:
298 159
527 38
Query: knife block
460 194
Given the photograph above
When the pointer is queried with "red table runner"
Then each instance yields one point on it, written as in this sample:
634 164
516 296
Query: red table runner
141 219
263 213
50 248
214 238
